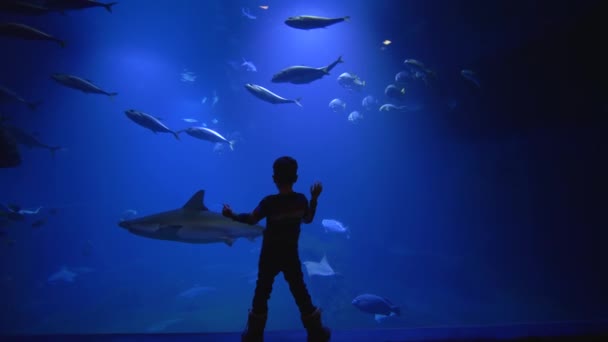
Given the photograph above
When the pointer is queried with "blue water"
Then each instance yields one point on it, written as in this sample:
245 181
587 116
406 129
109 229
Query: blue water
483 206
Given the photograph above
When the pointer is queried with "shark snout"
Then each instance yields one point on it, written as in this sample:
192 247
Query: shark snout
124 224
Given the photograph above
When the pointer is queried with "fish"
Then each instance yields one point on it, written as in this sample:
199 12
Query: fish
337 105
30 141
321 268
335 226
9 213
21 31
208 134
304 74
192 223
387 107
268 96
380 307
189 120
67 5
394 92
402 77
369 102
350 81
9 152
471 76
81 84
355 116
419 69
249 65
195 291
22 7
64 274
9 95
149 122
308 22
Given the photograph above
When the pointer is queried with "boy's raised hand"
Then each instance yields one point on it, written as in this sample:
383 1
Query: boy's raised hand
316 189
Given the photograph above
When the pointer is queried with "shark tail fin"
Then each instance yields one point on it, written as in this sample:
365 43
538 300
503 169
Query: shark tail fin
340 60
34 105
297 101
108 6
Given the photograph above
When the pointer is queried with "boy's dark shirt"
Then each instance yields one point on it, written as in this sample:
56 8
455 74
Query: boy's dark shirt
284 213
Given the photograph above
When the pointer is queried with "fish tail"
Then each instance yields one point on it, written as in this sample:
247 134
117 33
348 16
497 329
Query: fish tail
108 7
231 144
297 101
340 60
347 18
34 105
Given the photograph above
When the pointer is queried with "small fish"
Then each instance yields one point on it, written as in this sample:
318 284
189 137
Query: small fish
249 66
355 116
215 99
393 91
149 122
207 134
369 103
264 7
337 105
308 22
350 81
386 42
388 107
204 100
67 5
335 226
321 268
25 32
376 305
268 96
81 84
471 76
247 14
189 120
188 76
402 77
417 66
9 95
304 74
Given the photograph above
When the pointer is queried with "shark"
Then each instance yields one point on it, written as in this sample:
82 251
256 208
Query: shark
192 223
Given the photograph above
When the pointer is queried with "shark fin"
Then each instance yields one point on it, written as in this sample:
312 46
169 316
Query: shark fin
324 260
196 202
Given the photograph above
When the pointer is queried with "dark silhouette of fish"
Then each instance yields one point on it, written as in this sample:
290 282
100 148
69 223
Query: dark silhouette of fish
308 22
81 84
21 31
30 141
22 7
9 95
67 5
303 74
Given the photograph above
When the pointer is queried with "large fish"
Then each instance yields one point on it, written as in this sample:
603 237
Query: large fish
268 96
81 84
308 22
303 74
9 95
66 5
29 141
149 122
22 7
192 223
380 307
205 133
321 268
21 31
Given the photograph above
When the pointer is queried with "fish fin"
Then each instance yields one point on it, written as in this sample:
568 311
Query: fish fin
324 260
176 135
231 144
34 105
108 6
229 241
340 60
347 18
402 91
196 202
325 71
297 101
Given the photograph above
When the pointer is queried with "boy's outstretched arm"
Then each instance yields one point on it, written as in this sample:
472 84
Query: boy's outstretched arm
315 191
249 218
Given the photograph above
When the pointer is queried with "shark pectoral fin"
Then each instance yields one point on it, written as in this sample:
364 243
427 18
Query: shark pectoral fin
229 241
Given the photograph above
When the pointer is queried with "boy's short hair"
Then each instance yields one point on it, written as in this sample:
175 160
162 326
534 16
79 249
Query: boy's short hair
285 170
